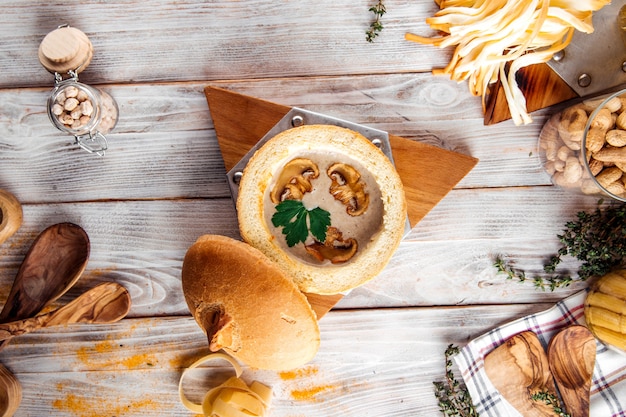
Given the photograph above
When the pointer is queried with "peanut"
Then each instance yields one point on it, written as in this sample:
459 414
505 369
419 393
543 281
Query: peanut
615 155
613 105
589 187
603 120
573 171
595 140
559 165
576 119
616 188
621 120
595 166
621 166
605 144
616 137
563 153
609 176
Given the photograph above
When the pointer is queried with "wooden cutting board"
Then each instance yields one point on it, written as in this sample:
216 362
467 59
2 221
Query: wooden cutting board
428 173
541 86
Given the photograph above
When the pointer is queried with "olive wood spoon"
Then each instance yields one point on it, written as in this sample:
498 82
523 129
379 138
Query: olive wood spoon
518 369
572 356
105 303
10 393
10 215
54 262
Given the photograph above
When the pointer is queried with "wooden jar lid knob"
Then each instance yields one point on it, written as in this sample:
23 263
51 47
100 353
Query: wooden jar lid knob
10 215
65 49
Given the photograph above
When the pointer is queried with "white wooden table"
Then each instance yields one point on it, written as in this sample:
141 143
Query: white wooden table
162 184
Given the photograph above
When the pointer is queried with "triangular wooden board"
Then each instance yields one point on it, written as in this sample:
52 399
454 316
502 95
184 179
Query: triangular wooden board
542 88
428 173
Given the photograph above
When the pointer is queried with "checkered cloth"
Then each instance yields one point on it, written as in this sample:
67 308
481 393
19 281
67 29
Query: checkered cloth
608 389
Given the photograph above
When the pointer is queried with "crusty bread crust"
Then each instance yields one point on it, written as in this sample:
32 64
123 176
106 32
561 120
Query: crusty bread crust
247 306
290 144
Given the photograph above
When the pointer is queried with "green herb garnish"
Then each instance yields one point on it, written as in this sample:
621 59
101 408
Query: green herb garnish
551 400
453 397
376 26
293 216
597 239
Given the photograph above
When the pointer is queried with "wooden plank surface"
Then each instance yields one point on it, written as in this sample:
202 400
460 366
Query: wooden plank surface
133 368
162 184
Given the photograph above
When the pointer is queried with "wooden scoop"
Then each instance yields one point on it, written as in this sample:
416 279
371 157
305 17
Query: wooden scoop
572 356
518 369
54 262
106 303
10 393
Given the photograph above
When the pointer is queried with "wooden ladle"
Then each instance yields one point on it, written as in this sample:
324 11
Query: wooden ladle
54 262
572 357
105 303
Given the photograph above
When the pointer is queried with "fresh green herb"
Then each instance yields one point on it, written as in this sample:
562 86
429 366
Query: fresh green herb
293 216
551 400
453 398
376 26
597 239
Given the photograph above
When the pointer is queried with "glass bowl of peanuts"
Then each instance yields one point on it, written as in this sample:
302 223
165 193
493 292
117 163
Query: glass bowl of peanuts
583 148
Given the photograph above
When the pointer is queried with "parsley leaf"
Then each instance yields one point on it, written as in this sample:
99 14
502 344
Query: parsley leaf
320 220
292 216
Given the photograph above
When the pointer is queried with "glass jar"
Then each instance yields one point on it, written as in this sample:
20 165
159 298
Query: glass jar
583 148
85 112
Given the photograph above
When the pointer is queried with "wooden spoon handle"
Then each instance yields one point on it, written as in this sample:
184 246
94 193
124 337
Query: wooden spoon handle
106 303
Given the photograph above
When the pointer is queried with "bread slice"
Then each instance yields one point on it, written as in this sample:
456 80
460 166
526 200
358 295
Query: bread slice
247 306
376 226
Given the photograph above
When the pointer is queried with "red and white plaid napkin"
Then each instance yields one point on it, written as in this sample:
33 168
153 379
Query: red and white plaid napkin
608 389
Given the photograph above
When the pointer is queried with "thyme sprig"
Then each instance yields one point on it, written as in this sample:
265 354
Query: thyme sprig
453 397
376 26
598 239
551 400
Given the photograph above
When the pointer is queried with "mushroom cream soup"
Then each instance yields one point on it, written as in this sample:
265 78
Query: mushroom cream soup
317 175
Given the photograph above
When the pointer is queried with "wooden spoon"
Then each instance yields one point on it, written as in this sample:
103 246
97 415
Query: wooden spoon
10 393
518 369
10 215
105 303
54 262
572 356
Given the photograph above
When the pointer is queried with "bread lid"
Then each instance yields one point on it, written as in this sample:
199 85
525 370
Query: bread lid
339 171
247 306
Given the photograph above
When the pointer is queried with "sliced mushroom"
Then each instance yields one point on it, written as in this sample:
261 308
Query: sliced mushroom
335 248
348 188
294 180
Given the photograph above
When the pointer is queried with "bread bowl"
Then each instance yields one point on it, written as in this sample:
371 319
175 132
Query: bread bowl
315 165
247 306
